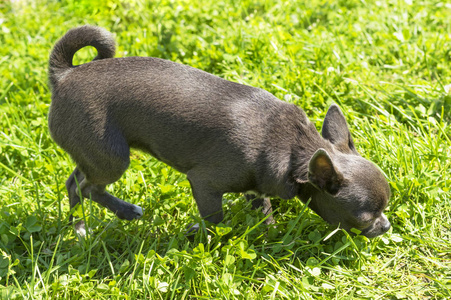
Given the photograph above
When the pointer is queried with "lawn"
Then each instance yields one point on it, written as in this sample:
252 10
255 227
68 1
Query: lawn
386 63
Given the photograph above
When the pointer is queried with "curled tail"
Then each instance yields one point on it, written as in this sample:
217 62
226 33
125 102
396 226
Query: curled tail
61 57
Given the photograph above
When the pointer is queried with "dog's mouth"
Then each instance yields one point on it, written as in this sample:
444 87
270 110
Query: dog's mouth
380 226
372 233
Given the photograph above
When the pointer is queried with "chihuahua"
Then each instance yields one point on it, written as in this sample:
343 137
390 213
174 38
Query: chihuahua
226 137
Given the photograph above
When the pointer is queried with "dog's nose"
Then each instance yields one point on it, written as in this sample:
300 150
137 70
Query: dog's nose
386 226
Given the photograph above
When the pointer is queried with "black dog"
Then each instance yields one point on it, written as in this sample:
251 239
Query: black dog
225 136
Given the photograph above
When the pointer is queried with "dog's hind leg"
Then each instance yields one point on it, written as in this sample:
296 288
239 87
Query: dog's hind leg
99 163
121 208
72 185
107 169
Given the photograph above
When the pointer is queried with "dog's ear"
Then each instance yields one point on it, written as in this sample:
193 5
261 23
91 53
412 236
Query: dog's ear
335 130
323 174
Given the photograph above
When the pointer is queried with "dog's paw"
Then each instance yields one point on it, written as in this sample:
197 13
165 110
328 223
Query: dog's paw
138 211
193 227
191 231
130 212
80 229
81 232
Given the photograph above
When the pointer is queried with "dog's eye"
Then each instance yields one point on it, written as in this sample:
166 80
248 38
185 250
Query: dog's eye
366 218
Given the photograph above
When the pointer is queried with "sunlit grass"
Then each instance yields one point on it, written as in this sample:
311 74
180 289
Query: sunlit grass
386 63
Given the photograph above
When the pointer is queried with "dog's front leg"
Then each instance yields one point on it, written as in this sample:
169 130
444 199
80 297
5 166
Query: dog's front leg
208 199
264 203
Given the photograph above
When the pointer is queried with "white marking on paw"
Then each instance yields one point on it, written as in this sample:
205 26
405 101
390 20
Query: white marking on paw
81 231
138 211
193 229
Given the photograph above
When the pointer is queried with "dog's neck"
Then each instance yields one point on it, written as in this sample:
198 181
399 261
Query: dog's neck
290 171
307 142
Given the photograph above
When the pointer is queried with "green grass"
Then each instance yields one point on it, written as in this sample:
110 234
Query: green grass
386 63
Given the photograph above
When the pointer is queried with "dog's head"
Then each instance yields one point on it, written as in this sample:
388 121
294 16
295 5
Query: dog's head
349 190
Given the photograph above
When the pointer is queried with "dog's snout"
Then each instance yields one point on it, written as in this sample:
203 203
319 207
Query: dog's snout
380 226
385 226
